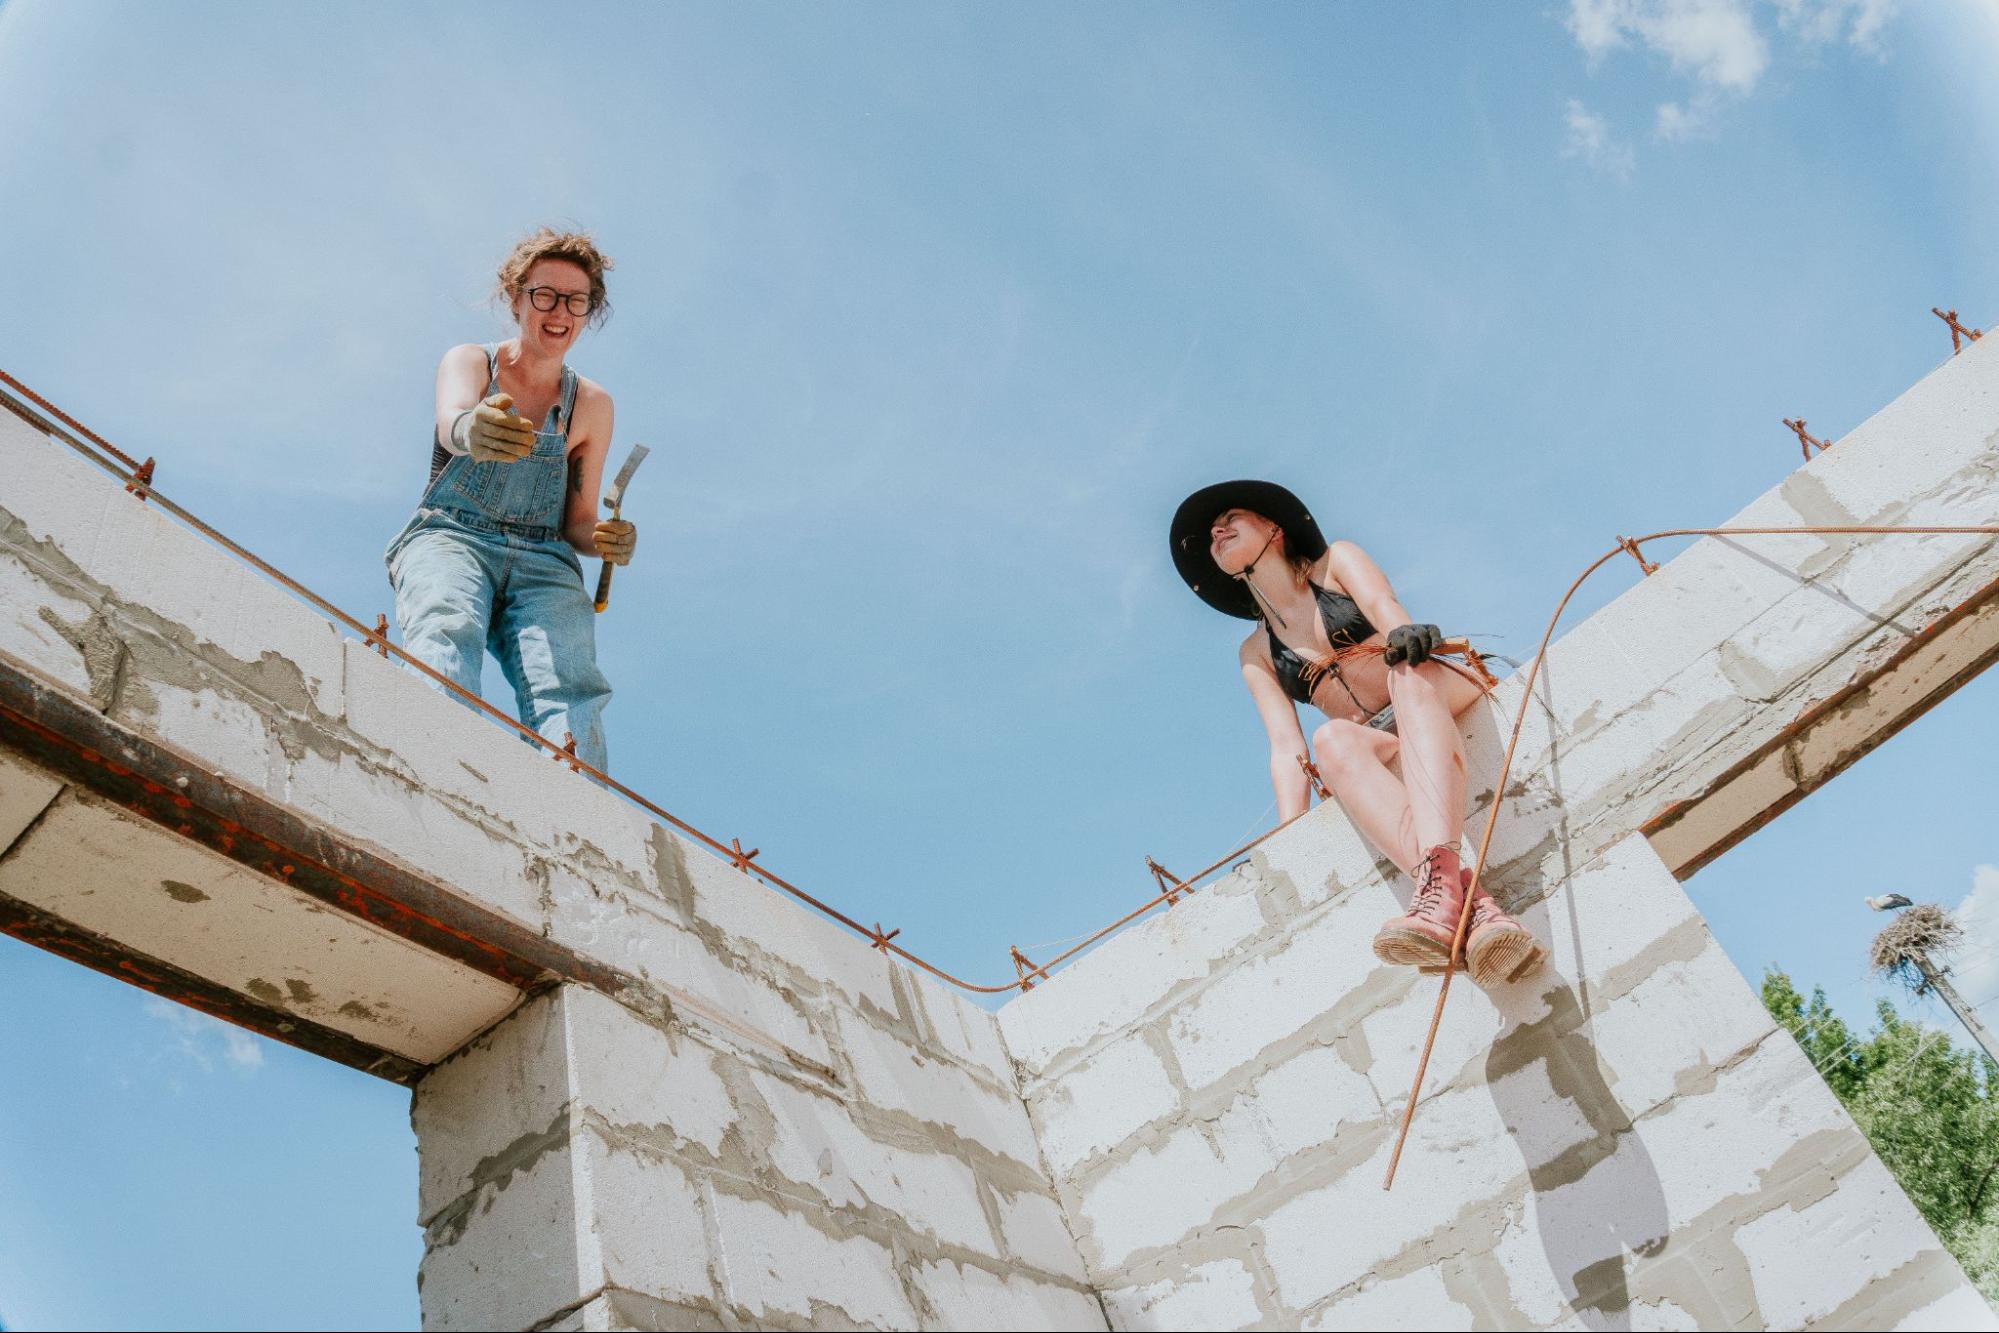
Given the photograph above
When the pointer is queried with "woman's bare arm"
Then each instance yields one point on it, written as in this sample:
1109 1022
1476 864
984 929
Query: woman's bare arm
1367 585
461 383
590 444
1280 721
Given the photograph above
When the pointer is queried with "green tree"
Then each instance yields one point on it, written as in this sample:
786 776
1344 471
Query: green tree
1928 1107
1823 1034
1976 1245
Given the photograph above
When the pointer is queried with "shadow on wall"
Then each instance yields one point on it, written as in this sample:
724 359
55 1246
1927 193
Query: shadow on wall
1595 1200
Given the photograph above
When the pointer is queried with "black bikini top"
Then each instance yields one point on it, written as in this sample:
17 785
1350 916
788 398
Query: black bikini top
1346 625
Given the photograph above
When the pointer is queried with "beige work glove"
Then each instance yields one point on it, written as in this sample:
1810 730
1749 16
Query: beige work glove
493 433
616 539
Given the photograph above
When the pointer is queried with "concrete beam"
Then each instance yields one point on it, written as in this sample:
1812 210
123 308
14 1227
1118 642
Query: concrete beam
100 953
140 866
1911 676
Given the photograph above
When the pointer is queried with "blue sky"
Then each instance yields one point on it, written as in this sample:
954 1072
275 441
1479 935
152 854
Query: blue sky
931 315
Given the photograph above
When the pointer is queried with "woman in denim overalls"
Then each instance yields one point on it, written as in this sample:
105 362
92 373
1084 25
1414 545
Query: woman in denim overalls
490 559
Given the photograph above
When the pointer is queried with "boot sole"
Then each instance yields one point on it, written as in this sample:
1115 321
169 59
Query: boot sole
1506 959
1410 948
1497 963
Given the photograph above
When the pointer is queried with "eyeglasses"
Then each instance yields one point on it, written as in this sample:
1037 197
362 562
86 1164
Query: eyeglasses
545 299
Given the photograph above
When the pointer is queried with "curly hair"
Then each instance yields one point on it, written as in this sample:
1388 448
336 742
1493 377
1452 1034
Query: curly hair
575 246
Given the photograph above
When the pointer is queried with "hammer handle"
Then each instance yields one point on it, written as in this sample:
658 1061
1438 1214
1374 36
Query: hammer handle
604 575
604 585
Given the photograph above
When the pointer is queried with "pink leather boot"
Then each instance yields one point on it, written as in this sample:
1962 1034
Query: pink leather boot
1422 936
1497 948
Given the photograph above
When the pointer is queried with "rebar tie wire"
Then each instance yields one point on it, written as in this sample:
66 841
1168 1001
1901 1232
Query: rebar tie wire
1313 776
137 480
1171 886
1806 440
1959 335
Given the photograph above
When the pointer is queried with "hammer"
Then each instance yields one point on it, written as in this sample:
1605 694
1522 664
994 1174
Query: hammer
615 498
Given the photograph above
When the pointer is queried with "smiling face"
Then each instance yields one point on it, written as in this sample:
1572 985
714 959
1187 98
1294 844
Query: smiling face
550 332
1238 536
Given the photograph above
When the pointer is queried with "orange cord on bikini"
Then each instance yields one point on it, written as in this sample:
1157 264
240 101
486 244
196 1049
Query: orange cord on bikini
1474 669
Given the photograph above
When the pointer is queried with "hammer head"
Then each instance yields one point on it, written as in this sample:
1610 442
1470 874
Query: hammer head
614 494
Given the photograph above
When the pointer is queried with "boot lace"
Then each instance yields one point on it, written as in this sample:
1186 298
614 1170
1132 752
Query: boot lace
1486 911
1430 886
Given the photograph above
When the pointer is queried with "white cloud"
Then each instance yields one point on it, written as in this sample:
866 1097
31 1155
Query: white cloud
1974 965
1692 119
241 1048
199 1038
1589 138
1598 25
1717 45
1822 22
1714 41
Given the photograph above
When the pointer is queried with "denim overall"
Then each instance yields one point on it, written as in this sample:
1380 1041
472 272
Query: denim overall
483 566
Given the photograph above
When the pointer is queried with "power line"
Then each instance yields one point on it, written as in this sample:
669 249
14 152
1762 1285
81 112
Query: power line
1928 1036
1834 1058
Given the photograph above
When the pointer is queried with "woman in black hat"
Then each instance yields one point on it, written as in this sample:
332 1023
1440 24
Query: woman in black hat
1333 635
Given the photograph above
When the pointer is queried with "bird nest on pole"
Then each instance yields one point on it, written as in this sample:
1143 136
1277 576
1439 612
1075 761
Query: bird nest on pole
1921 931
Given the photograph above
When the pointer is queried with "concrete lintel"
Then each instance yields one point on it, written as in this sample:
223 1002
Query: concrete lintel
81 745
1831 735
31 925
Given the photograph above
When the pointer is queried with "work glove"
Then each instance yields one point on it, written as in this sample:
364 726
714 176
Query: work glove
493 433
1412 644
616 538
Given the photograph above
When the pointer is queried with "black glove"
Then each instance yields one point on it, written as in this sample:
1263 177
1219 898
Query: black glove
1412 644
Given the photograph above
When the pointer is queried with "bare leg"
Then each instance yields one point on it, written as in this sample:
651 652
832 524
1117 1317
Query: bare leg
1432 791
1354 762
1427 699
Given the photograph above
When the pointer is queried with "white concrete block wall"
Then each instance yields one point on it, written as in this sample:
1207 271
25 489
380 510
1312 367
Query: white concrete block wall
1628 1131
581 1157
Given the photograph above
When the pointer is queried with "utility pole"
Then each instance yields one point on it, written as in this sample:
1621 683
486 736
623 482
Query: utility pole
1934 980
1903 951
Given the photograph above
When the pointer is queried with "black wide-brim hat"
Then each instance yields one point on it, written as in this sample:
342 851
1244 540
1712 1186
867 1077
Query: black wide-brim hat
1194 520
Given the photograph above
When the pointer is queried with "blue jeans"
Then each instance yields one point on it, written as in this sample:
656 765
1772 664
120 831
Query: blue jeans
462 592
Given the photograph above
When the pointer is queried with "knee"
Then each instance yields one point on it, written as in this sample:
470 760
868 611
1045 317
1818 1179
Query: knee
444 627
595 694
583 679
1340 747
575 682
